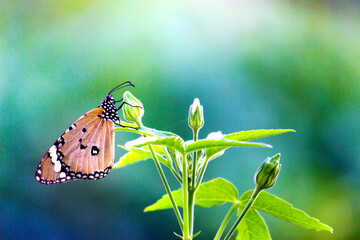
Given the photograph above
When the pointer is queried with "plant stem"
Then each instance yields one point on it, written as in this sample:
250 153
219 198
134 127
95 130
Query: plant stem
176 174
243 213
178 168
192 189
185 188
166 184
202 173
196 134
226 220
191 210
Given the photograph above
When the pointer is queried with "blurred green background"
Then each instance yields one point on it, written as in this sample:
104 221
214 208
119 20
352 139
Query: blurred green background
253 65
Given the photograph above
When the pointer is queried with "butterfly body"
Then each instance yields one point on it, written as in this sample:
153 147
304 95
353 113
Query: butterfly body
85 150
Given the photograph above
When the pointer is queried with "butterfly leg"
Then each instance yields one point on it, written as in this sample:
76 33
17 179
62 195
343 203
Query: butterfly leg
127 104
119 100
119 124
123 126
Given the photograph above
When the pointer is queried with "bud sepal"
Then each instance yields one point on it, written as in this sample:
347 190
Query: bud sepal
133 109
268 172
196 115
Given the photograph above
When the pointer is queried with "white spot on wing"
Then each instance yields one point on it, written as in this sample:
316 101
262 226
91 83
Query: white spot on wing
62 175
57 166
72 127
53 154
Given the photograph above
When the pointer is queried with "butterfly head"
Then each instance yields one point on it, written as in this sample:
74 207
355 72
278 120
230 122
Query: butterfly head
109 99
110 111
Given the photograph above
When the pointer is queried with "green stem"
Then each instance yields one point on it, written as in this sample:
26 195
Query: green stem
226 220
196 134
177 167
176 174
185 188
193 190
168 190
201 174
246 209
191 210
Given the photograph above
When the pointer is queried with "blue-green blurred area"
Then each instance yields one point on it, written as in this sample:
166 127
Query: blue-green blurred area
253 65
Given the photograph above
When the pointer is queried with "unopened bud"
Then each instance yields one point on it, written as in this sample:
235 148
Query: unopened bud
267 173
196 115
133 109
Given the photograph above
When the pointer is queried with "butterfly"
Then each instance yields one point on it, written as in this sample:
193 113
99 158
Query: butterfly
86 149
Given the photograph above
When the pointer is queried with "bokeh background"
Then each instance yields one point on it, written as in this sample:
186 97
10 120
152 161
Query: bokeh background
252 64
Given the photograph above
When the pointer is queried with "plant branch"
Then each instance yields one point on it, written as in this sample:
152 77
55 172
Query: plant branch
226 221
243 213
202 173
178 167
196 134
185 188
176 174
168 190
192 190
191 210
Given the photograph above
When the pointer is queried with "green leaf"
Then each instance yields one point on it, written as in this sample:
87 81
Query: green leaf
212 153
278 207
252 227
215 192
165 203
223 143
145 131
175 142
139 154
255 134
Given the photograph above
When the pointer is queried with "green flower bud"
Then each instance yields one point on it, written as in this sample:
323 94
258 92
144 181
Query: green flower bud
196 115
133 109
267 173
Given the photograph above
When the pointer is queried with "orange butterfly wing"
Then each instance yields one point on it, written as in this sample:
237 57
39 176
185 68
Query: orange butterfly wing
84 151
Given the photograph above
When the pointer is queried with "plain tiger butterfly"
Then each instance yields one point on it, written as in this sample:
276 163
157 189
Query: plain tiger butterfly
86 149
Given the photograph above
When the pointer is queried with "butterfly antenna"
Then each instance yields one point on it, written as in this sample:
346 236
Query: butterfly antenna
124 84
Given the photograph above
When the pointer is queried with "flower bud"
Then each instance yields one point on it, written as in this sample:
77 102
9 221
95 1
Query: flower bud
196 115
267 173
133 109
